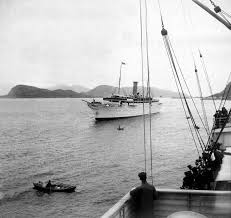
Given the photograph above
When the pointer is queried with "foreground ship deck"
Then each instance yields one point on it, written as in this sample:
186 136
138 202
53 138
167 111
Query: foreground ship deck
210 204
203 203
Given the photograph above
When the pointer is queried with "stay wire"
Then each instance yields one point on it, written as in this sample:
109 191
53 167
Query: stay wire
201 97
171 58
227 14
187 85
161 16
203 108
142 66
207 78
206 126
192 118
186 103
182 103
149 95
224 17
221 12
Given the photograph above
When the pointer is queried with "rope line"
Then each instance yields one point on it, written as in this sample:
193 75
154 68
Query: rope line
207 78
221 12
201 97
186 103
227 14
190 128
205 125
149 95
142 66
187 86
171 59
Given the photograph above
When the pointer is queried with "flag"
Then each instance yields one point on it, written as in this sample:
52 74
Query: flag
122 63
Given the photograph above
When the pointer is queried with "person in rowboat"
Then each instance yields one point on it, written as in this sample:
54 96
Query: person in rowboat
143 197
48 184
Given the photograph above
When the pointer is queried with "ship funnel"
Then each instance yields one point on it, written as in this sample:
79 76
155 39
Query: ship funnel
135 84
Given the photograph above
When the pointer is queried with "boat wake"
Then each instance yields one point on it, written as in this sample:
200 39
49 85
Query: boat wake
19 195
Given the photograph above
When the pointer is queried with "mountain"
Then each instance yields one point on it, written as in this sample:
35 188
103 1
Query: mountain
102 91
75 88
105 91
24 91
225 93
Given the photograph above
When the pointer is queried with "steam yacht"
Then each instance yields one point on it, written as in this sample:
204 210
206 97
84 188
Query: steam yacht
120 106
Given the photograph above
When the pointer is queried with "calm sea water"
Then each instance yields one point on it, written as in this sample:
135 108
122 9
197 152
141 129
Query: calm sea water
58 139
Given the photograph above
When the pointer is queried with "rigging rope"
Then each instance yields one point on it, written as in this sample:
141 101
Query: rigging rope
142 66
187 85
170 51
206 126
186 116
190 113
219 15
201 97
222 13
207 78
227 14
172 64
149 94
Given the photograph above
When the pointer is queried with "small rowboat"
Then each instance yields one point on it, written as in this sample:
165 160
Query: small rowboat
54 187
120 128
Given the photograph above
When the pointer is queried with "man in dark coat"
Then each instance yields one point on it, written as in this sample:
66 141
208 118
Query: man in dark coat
143 197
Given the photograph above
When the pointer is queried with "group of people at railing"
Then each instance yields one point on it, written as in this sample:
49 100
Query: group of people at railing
220 117
203 174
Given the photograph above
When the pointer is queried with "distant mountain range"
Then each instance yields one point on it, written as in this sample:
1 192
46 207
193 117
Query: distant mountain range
24 91
105 90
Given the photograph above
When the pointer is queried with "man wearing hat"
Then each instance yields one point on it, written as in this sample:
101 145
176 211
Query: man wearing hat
143 197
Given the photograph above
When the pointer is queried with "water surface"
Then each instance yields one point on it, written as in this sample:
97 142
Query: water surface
58 139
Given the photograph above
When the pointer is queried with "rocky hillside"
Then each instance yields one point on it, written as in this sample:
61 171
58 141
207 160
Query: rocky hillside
224 93
23 91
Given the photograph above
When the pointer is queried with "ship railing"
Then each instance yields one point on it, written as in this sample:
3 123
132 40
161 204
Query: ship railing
122 209
219 122
208 203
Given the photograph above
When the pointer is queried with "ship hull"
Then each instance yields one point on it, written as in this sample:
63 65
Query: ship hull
116 111
178 203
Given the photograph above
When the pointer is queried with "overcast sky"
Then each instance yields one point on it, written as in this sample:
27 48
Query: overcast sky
48 42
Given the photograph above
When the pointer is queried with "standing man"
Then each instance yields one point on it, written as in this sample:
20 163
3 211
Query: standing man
143 197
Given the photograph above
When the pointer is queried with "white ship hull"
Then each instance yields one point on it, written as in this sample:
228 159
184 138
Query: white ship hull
116 111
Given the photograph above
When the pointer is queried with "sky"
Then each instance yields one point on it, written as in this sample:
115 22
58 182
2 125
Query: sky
49 42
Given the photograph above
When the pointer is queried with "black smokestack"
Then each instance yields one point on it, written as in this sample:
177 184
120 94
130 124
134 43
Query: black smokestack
135 84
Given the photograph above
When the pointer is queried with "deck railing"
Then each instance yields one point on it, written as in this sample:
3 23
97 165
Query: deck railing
208 203
219 122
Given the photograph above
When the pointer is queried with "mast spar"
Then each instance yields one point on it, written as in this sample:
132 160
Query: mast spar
217 9
122 63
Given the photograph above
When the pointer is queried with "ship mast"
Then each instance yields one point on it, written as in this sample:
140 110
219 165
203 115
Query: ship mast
201 98
121 64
